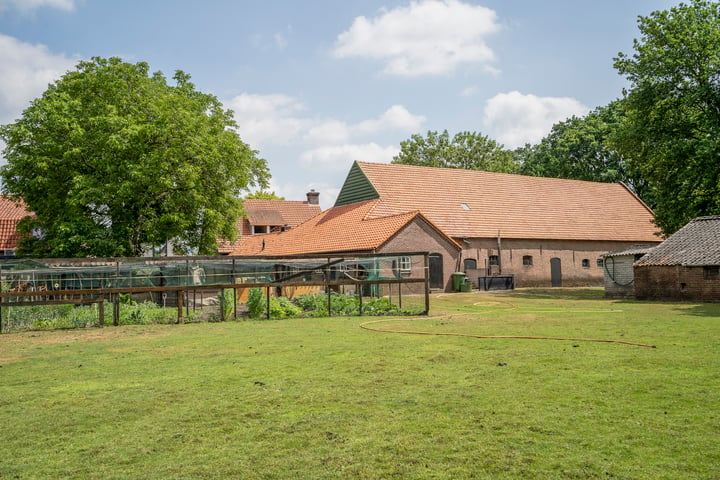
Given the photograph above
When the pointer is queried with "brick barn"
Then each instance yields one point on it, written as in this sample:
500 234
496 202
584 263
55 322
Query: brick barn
541 231
686 266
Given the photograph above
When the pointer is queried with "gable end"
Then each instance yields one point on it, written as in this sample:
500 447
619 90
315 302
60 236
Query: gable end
357 188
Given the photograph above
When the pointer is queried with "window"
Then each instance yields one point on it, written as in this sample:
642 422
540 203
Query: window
470 264
465 206
257 229
493 260
527 260
405 264
600 263
711 273
585 263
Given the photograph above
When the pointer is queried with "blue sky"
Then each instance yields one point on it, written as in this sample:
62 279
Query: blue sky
317 84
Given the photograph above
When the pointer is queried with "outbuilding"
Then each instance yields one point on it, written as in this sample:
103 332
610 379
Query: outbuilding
618 271
686 266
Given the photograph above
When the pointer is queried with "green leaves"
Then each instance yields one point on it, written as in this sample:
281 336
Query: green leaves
466 150
114 161
672 125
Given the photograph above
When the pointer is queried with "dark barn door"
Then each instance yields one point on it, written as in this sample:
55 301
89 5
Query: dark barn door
436 270
555 272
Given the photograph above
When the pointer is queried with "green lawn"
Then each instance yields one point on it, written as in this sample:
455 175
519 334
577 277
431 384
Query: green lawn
324 398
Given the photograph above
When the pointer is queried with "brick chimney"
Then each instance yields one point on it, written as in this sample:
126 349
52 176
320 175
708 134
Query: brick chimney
313 197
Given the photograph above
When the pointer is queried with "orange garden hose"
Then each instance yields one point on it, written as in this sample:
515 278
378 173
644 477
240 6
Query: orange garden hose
367 326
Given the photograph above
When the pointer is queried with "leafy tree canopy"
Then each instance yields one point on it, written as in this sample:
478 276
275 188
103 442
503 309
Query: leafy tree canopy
578 148
113 160
672 125
467 150
262 195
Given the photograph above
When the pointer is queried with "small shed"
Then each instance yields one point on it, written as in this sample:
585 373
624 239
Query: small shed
618 271
686 266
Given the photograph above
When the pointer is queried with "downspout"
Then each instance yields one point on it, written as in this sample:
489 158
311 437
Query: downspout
499 254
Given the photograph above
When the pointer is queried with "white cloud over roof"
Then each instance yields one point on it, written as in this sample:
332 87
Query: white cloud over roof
515 119
427 37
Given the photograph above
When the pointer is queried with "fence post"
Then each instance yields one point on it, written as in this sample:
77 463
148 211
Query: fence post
267 302
222 304
427 284
101 312
116 309
180 297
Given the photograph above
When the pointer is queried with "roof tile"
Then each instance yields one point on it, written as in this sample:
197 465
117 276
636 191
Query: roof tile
695 244
517 206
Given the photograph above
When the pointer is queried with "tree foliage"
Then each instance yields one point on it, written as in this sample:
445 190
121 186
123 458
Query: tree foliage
579 148
672 125
467 150
263 195
113 160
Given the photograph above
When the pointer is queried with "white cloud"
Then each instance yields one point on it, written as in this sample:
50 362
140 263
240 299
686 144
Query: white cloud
26 6
470 91
340 157
329 131
514 119
280 40
278 125
428 37
267 118
25 72
396 117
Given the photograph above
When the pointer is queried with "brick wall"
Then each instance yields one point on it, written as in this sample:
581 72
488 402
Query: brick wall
418 236
675 282
575 272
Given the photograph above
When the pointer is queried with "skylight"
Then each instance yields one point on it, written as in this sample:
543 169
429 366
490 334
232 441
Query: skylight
465 206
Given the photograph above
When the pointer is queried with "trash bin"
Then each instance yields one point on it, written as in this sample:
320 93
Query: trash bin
466 286
458 279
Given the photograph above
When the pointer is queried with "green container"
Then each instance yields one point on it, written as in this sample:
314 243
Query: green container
458 279
466 287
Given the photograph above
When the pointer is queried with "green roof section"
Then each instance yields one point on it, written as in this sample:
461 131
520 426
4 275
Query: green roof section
357 188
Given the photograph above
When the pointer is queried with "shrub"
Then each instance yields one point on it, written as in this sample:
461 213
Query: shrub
256 303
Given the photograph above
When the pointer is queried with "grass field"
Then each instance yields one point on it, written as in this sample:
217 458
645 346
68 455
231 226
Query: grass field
325 399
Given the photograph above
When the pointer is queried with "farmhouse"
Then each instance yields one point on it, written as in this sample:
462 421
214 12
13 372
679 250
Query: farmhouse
11 212
350 229
271 216
540 231
686 266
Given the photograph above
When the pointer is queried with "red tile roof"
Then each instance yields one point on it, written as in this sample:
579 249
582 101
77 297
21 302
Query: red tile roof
11 212
476 204
339 229
290 213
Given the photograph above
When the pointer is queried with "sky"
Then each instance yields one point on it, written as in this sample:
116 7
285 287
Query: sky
317 84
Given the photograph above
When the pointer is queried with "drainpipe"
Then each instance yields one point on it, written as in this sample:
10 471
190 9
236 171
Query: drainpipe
499 254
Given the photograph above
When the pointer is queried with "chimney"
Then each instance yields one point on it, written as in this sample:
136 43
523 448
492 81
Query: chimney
313 197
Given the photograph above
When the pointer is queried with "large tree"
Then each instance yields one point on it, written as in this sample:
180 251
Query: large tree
672 125
467 150
579 148
114 160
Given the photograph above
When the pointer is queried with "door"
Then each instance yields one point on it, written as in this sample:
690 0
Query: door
555 272
435 261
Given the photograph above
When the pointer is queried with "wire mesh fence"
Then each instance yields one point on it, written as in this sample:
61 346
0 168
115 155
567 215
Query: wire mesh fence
74 293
